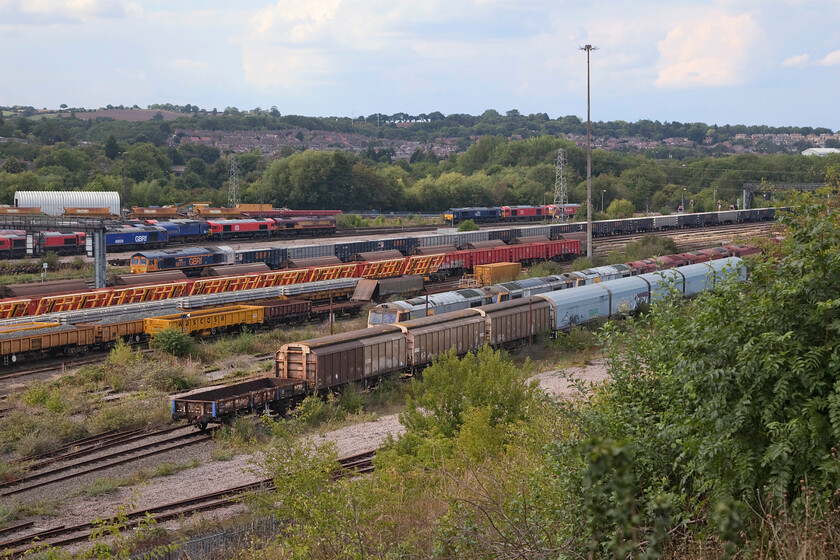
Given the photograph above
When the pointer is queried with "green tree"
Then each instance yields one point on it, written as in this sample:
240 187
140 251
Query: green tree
112 150
13 165
620 208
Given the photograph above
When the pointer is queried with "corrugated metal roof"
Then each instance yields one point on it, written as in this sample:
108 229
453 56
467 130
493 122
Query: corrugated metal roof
53 203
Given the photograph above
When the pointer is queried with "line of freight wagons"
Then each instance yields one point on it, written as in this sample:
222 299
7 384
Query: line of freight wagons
36 340
365 355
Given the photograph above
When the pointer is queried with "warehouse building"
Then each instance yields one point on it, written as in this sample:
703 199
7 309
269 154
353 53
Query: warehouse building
53 203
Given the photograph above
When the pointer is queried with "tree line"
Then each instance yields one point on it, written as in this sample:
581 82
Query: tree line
135 159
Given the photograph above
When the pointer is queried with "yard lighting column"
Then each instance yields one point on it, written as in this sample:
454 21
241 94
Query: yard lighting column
588 49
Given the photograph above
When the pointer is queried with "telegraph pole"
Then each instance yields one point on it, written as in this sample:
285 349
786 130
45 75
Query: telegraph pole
588 49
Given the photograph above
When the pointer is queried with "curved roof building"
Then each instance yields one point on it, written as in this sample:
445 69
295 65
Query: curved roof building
53 203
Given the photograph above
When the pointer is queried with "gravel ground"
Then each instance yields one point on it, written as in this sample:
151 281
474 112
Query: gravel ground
213 475
556 382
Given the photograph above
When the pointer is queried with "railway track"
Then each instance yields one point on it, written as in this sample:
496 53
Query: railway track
63 536
686 239
126 448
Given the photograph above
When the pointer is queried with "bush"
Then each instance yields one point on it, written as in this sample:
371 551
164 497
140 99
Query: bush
467 225
51 259
577 339
173 342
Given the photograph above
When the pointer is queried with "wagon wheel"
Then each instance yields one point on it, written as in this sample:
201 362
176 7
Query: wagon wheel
213 331
202 423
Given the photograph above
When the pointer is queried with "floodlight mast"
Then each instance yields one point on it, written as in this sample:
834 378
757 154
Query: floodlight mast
588 49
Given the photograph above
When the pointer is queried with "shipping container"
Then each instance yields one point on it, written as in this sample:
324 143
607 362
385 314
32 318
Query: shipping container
496 273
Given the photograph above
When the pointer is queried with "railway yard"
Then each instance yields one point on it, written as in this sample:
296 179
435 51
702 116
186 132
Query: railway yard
76 352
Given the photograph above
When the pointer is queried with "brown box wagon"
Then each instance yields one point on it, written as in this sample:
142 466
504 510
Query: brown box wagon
331 361
508 322
428 337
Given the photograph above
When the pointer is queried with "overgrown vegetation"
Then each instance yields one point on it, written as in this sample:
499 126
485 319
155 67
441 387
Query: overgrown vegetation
715 438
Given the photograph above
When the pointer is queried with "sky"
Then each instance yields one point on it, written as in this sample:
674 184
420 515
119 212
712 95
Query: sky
773 62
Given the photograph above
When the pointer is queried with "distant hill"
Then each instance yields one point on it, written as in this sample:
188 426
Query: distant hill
133 115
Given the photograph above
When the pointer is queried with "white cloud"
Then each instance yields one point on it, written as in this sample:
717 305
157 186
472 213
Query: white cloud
796 60
53 11
295 43
831 59
192 66
712 49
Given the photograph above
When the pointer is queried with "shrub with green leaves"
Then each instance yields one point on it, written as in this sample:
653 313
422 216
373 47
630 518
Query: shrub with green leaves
731 398
467 225
173 342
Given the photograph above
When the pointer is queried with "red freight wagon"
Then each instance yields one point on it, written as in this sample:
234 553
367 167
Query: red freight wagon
643 266
742 250
694 257
672 261
715 253
562 248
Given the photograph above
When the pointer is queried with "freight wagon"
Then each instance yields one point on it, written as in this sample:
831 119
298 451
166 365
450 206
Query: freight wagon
46 340
219 403
366 355
205 322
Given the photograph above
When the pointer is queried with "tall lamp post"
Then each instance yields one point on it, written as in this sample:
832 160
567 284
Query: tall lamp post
602 201
683 200
588 49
